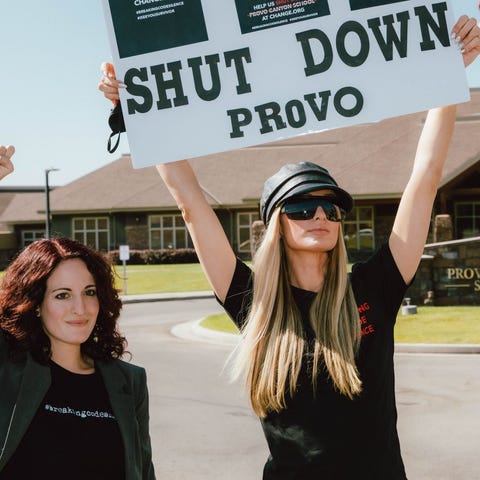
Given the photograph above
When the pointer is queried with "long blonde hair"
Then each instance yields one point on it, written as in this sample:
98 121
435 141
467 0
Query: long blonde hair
273 343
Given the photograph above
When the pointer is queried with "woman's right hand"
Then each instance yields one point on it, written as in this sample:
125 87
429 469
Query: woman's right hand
109 84
6 165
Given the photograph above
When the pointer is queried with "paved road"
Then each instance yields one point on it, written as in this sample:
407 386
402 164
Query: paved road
202 426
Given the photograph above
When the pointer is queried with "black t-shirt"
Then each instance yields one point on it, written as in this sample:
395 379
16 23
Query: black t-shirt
327 436
74 434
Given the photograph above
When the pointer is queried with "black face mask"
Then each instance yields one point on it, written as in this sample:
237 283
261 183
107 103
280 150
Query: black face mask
117 125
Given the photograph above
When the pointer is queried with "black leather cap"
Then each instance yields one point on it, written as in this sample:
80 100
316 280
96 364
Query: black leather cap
295 179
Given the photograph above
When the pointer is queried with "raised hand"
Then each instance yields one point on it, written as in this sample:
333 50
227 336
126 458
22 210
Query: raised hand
467 34
109 84
6 165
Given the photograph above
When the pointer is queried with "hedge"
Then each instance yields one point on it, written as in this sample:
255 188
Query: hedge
155 257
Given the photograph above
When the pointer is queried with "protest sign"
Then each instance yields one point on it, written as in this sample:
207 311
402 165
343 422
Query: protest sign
206 76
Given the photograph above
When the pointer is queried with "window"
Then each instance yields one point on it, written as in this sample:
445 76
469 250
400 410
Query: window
29 236
168 232
92 231
467 219
244 230
358 229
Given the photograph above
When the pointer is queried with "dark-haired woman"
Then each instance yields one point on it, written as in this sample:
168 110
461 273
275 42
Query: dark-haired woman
69 407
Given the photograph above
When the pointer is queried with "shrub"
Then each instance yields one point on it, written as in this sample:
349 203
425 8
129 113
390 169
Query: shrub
155 257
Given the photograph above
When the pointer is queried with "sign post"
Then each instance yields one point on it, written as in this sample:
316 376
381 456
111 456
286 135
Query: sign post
124 254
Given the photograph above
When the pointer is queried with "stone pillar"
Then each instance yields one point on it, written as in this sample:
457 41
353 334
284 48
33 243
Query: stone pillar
442 228
258 229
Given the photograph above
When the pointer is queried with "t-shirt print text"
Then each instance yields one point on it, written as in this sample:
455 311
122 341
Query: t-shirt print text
366 328
78 413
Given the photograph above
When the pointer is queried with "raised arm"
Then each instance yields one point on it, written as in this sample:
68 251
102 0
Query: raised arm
6 165
211 244
412 221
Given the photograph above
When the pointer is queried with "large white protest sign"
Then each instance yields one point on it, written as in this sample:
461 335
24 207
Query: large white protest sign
205 76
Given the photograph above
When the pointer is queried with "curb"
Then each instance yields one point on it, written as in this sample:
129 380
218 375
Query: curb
163 297
444 348
193 331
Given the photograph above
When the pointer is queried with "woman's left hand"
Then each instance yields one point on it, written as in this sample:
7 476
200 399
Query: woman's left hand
6 165
467 35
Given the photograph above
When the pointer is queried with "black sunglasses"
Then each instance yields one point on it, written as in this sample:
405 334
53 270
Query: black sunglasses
304 209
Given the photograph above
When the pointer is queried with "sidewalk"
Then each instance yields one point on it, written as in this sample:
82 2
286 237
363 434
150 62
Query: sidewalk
193 330
162 297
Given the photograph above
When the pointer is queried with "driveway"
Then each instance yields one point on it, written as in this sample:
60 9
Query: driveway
202 426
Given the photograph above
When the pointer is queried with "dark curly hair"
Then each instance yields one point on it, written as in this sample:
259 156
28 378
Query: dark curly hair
23 289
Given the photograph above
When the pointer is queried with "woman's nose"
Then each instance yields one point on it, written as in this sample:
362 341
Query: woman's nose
78 306
320 214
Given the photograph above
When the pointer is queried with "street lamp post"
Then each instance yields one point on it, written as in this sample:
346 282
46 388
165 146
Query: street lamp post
47 197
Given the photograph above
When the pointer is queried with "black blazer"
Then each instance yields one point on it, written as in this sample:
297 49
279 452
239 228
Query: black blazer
24 383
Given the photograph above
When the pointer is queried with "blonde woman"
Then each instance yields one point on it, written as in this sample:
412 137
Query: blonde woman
317 349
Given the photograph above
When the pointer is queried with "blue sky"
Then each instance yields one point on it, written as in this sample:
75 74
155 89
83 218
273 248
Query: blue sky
50 109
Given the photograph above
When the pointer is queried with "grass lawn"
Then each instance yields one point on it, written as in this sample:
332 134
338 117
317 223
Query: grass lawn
221 322
430 325
186 277
440 325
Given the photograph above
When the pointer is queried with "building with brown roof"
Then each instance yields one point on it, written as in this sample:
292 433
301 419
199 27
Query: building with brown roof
118 205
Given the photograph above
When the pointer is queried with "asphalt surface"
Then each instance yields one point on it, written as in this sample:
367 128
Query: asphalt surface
202 426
